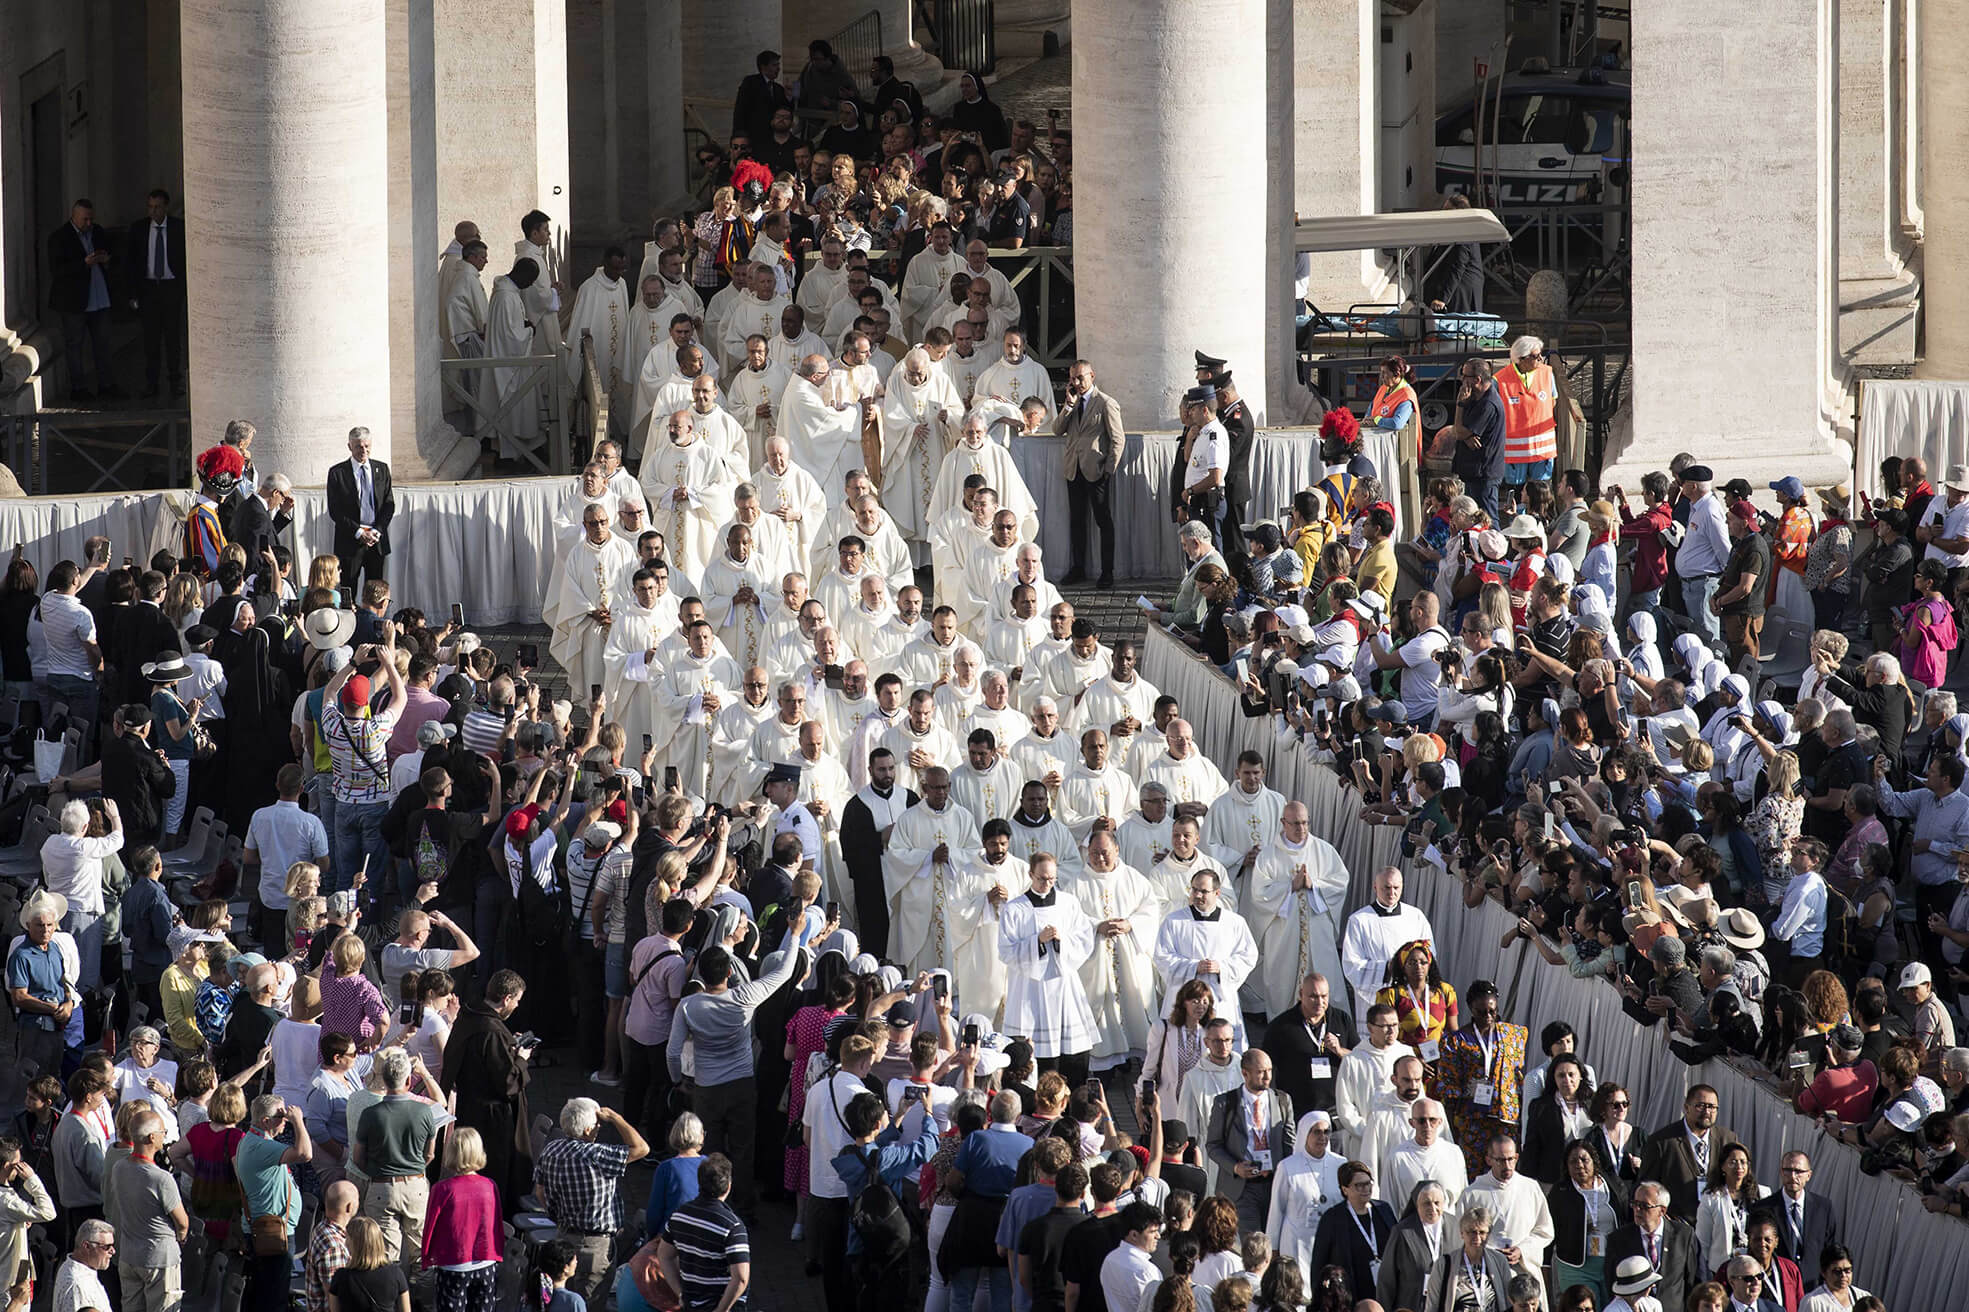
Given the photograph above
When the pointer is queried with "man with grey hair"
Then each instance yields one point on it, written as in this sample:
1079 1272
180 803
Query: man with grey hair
395 1141
72 865
40 987
260 517
361 505
1666 1242
261 1162
1186 610
150 1220
579 1182
78 1285
824 432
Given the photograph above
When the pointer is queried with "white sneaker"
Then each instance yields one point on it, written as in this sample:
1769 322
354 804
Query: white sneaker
607 1081
799 1232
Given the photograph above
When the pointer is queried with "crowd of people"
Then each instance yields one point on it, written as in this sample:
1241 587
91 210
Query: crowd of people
863 872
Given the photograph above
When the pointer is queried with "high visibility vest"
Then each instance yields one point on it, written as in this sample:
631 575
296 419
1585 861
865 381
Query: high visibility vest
1530 432
1389 398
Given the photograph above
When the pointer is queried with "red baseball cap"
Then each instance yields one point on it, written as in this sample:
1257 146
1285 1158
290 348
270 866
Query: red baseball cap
355 693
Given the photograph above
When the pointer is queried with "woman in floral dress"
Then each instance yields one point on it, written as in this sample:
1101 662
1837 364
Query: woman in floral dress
806 1034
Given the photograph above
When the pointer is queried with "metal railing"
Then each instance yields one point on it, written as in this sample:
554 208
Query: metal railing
856 46
965 32
540 382
81 452
1588 243
590 420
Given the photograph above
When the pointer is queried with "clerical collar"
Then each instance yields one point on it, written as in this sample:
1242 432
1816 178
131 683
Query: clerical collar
1020 816
1198 915
881 792
1384 912
1040 901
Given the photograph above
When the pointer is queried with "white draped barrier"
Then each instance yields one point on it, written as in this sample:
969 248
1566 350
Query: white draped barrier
1911 417
1905 1254
1283 461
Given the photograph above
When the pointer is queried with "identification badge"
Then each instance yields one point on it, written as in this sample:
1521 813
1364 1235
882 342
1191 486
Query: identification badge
1262 1159
1429 1049
1483 1093
1322 1068
1594 1248
1374 1270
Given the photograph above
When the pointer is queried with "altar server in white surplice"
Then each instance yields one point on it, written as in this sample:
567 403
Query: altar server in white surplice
1187 773
1242 820
1095 789
642 621
596 575
1374 934
825 435
752 394
939 917
790 495
1044 938
689 490
919 424
1206 940
719 430
734 588
1295 895
1120 975
697 684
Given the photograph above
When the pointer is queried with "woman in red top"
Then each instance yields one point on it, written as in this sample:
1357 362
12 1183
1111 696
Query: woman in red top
806 1034
462 1230
350 1003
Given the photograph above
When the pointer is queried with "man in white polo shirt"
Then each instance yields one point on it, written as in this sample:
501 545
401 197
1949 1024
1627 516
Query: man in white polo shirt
278 837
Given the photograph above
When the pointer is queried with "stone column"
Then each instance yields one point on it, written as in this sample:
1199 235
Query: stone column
1879 295
1735 310
1337 64
1170 166
722 41
625 79
1944 189
502 137
1289 400
286 184
663 69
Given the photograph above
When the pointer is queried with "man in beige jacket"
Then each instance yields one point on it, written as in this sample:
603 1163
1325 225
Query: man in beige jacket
1090 422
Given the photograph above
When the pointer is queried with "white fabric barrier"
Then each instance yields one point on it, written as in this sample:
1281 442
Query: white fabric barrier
1905 1254
1907 417
1283 461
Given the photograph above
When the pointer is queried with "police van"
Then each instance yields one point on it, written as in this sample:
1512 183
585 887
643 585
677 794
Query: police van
1553 138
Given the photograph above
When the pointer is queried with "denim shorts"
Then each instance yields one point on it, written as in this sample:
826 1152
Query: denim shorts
615 971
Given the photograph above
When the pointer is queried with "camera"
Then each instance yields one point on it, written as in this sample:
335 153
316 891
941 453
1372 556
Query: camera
971 1034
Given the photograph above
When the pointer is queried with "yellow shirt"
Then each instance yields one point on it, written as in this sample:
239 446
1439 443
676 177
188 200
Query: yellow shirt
179 990
1376 571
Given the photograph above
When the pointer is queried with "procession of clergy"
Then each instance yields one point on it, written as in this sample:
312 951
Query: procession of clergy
985 787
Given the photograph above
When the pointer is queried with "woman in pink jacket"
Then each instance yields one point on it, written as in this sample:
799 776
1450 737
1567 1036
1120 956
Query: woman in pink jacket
462 1232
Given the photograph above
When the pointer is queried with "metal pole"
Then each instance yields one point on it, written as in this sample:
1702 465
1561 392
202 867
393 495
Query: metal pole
1555 34
1589 29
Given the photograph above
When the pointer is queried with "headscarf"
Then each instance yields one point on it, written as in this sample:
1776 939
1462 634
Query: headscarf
1774 714
1959 726
1720 733
1691 653
1642 653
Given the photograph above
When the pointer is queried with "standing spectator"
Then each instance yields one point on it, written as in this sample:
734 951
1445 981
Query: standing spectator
394 1142
278 837
1250 1136
72 866
1090 423
1829 560
372 1281
78 292
1704 551
351 1003
705 1255
657 973
328 1245
579 1182
675 1182
1889 570
1746 578
1680 1153
273 1201
41 984
358 735
150 1221
1129 1271
24 1202
134 776
463 1237
78 1284
408 952
172 720
1481 1075
758 97
361 504
826 1133
484 1068
147 917
1479 456
878 1152
74 661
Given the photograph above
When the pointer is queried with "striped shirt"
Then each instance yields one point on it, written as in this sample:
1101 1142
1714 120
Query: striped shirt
358 753
708 1237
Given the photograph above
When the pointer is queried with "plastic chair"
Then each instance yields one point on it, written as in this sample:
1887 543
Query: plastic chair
197 837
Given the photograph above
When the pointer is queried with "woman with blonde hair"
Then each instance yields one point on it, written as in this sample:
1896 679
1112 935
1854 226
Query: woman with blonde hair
183 602
370 1282
351 1003
463 1235
676 1175
325 572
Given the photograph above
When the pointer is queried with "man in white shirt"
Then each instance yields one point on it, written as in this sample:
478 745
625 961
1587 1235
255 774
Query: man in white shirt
78 1285
1129 1271
1421 672
277 837
1521 1222
1202 460
1704 551
72 865
68 629
826 1133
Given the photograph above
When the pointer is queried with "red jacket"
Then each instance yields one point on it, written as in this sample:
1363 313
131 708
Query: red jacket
461 1221
1650 553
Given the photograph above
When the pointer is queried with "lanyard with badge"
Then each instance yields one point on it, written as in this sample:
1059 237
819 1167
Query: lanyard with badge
1429 1048
1365 1224
1483 1093
1596 1245
1479 1282
1320 1067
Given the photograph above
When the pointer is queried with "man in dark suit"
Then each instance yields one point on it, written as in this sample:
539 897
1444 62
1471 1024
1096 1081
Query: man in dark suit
154 280
865 824
1090 423
1668 1244
143 631
361 505
78 291
259 519
758 97
1806 1221
1307 1044
1745 1282
1246 1166
1679 1153
1242 429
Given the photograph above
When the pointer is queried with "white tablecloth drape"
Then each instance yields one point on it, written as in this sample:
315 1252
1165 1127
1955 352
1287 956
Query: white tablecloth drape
1910 417
1905 1254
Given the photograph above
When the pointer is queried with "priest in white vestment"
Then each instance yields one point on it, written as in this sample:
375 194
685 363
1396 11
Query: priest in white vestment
873 732
870 625
919 425
719 430
1120 975
789 494
1376 932
985 568
843 709
794 341
1219 1070
1519 1210
757 310
962 693
641 622
1429 1155
464 234
1036 829
926 281
939 915
1016 376
1029 567
752 395
661 389
839 587
1095 789
920 743
1069 672
698 683
1386 1125
601 313
512 392
1185 771
735 775
974 454
1121 703
823 279
926 662
851 305
973 306
1203 939
776 740
666 264
1145 835
977 264
544 304
689 489
1297 890
1044 938
1242 820
825 435
996 713
964 362
1009 643
1366 1072
1175 871
1047 752
596 575
987 782
772 545
462 305
839 521
734 588
650 320
590 488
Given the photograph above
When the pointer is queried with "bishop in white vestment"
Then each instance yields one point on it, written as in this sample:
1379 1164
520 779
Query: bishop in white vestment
1203 939
1298 889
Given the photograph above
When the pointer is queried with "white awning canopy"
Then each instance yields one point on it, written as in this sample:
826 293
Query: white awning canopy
1356 232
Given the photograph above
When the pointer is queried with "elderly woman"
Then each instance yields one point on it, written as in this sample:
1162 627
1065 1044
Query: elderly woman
351 1003
146 1075
1475 1275
675 1181
1829 560
463 1236
1884 700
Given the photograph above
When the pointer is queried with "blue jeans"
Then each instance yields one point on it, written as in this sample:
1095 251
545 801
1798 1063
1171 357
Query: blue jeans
84 698
1483 491
964 1288
1696 594
87 927
358 832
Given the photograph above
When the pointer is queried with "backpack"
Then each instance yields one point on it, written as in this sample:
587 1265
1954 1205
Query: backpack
430 856
879 1220
1846 940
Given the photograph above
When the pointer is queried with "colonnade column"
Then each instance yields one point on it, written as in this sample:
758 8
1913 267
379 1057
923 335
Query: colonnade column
1170 167
1735 287
286 182
1944 130
1879 295
1336 67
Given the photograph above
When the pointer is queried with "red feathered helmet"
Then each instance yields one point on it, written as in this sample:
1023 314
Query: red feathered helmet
1339 425
220 468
